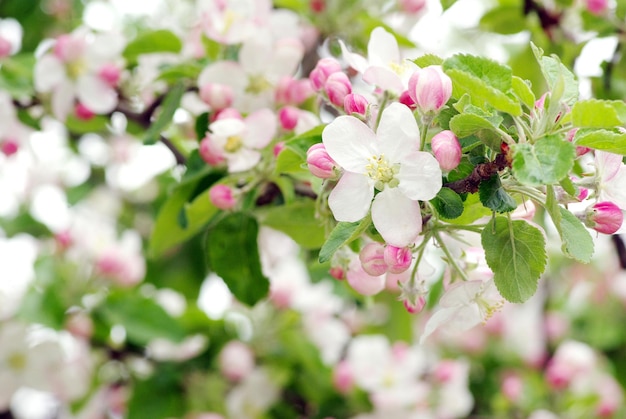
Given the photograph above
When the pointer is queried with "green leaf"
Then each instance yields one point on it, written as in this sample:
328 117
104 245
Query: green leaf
490 72
174 73
546 162
556 73
171 102
516 253
159 396
448 203
16 75
97 123
427 60
466 124
523 91
577 242
342 234
298 221
613 141
152 42
505 19
167 232
142 317
292 158
594 113
493 196
233 254
473 210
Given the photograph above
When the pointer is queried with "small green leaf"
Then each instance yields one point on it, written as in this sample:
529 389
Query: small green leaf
555 73
158 397
523 91
202 125
174 73
568 186
516 253
505 19
342 234
298 221
233 254
577 242
16 75
546 162
466 124
448 203
613 141
493 196
427 60
142 317
152 42
97 123
594 113
473 211
490 72
171 102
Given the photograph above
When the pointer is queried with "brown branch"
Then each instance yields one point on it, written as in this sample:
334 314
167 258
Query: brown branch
481 172
180 157
620 248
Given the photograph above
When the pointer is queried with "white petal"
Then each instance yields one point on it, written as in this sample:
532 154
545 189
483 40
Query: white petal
227 127
397 134
96 95
382 49
260 127
397 218
420 176
384 78
349 142
607 164
287 55
229 73
243 160
256 54
435 321
461 293
49 73
351 198
356 61
63 100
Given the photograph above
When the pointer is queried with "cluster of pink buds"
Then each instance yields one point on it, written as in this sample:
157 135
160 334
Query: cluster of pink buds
378 259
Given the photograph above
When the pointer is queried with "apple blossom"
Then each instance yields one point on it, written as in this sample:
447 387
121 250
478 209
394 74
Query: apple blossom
610 178
217 96
222 197
604 217
398 259
362 282
388 161
239 142
323 69
597 7
430 88
355 103
10 37
288 117
320 163
337 88
412 6
447 150
372 259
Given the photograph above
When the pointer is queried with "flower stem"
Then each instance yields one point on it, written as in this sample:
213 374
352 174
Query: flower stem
451 260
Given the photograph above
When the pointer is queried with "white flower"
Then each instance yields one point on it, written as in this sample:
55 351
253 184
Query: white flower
463 306
611 176
384 66
10 37
388 161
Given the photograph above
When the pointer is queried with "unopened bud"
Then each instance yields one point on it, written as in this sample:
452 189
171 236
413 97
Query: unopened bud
5 47
110 74
604 217
430 88
210 153
318 6
362 282
68 48
337 272
355 103
411 6
82 112
236 360
597 7
447 150
405 99
222 197
9 147
217 96
398 259
372 258
319 162
288 117
580 150
343 378
337 87
324 68
415 306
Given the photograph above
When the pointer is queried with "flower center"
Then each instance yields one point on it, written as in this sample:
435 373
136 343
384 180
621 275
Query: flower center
17 361
233 144
257 84
75 68
382 172
398 68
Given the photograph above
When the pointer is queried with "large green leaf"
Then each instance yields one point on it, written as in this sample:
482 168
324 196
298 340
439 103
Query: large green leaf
613 141
298 221
490 72
594 113
516 253
167 233
152 42
142 317
546 162
233 254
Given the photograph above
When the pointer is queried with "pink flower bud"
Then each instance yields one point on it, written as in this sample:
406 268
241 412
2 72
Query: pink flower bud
9 146
236 360
343 378
447 150
337 87
579 149
405 99
217 96
541 102
411 6
582 193
290 91
597 7
5 47
318 6
82 112
280 146
337 272
80 325
398 259
222 197
319 162
110 74
362 282
604 217
415 306
372 258
288 117
324 68
430 88
512 387
228 113
355 103
210 153
64 239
